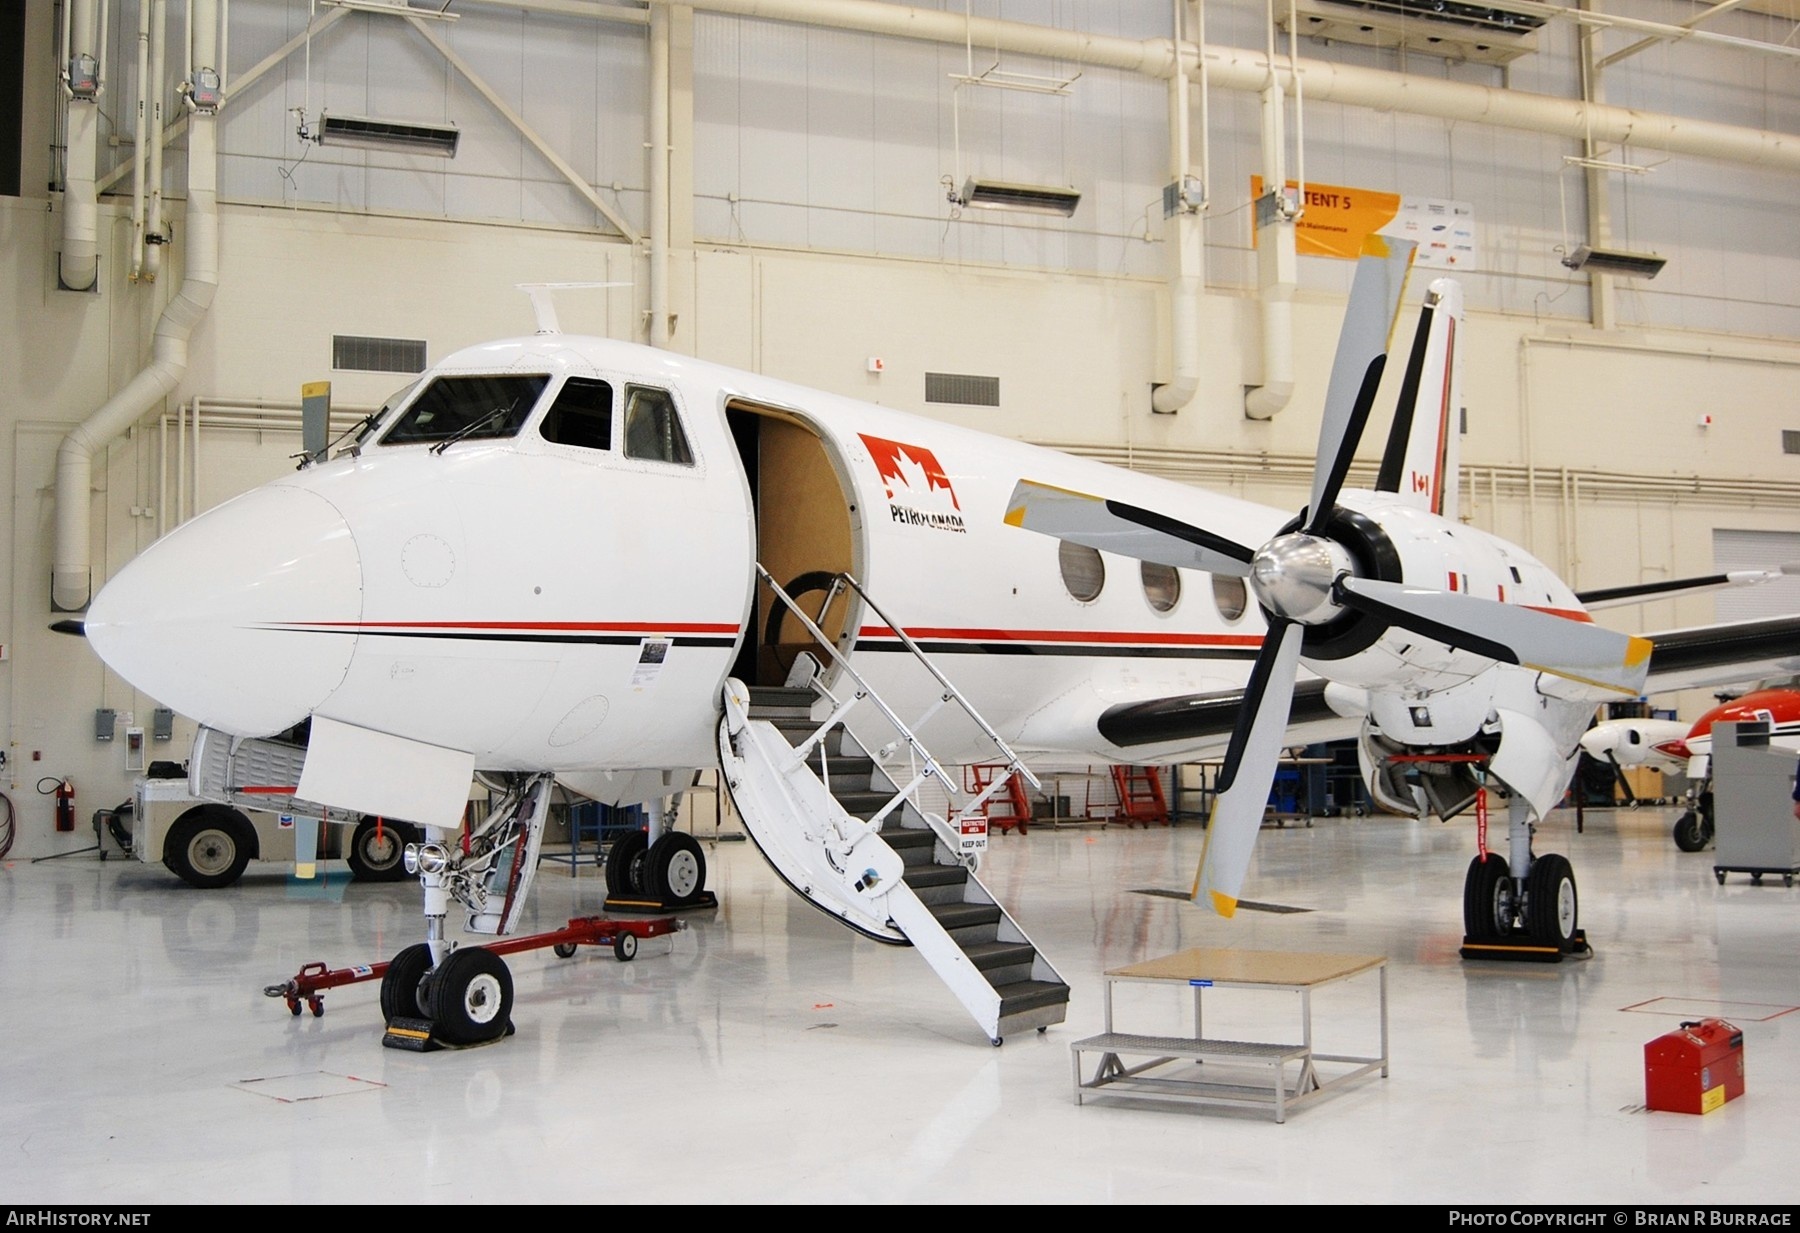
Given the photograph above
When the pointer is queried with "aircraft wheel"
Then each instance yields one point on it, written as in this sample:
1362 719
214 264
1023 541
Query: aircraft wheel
676 869
1690 832
378 849
1551 907
625 863
402 992
1488 898
470 997
209 846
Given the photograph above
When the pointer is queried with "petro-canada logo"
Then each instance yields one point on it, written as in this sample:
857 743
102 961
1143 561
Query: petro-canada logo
918 492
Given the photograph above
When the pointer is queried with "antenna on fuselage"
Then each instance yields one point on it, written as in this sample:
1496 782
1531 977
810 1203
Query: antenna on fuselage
544 309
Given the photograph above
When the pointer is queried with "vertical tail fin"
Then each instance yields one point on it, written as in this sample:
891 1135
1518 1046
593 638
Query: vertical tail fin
1420 461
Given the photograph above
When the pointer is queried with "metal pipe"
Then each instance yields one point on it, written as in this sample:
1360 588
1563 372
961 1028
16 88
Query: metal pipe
139 137
659 177
156 233
1237 69
1187 249
78 265
71 577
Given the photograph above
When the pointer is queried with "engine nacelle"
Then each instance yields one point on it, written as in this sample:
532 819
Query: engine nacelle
1398 543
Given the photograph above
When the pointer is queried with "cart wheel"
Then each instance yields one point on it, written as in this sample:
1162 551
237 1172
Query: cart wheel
998 1041
1719 874
564 950
625 947
1756 879
318 1007
293 1006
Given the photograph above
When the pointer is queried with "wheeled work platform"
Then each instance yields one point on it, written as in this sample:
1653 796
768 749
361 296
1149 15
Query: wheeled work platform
1276 1077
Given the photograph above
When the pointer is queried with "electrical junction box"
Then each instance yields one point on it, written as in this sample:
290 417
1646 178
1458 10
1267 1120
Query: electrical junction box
1695 1068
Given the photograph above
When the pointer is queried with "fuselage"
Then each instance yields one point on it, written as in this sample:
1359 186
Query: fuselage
564 579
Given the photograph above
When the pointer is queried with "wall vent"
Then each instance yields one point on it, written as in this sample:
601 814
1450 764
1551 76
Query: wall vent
1790 440
962 389
354 353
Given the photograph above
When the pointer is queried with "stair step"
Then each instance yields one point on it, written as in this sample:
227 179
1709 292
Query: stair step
987 956
954 916
863 804
918 876
1030 995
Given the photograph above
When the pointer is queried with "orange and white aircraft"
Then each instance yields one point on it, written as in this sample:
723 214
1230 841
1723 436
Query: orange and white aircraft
556 559
1685 749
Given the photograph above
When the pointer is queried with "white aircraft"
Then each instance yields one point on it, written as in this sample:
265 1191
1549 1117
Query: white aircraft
576 560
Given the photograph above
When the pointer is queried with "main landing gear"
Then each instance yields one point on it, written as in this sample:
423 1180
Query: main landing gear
1534 917
662 875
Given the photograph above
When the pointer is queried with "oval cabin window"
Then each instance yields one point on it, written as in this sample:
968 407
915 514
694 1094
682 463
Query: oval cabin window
1231 596
1162 586
1082 571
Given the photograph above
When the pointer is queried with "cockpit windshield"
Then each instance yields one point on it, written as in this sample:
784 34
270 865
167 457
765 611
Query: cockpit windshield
467 408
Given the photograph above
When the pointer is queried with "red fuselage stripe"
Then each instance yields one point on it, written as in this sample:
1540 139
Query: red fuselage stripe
1063 635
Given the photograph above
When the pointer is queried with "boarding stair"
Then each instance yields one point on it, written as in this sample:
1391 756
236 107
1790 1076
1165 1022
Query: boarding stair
1141 798
882 840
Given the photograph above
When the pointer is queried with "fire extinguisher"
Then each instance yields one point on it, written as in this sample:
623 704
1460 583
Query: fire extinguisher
65 802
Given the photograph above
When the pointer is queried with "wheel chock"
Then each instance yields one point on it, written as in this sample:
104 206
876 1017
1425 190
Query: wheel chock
1522 951
409 1034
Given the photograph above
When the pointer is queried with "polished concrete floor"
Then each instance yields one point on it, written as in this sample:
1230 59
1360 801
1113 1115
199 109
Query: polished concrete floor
765 1054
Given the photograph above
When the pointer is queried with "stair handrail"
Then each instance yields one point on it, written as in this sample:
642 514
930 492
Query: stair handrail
915 746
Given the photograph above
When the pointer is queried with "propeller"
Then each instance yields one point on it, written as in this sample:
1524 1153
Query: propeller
1304 577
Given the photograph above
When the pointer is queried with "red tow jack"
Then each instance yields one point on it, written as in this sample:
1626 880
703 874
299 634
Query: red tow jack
308 986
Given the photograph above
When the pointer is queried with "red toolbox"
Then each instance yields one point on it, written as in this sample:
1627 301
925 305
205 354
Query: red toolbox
1695 1068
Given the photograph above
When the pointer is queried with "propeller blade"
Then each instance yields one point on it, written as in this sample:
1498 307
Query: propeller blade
1356 370
1114 526
1249 770
1509 633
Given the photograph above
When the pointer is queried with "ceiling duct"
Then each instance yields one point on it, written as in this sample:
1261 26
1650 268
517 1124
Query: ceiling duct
1032 198
1615 261
404 136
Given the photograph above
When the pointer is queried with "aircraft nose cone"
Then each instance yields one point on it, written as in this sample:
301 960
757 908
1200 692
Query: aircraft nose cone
242 619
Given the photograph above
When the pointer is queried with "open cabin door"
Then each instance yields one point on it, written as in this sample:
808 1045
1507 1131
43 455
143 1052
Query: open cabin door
804 537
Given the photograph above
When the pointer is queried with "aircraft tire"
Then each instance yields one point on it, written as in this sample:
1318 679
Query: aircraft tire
209 846
470 997
1552 907
676 869
1487 899
402 985
377 852
625 862
1690 832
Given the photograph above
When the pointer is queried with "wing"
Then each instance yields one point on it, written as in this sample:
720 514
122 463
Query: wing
1738 653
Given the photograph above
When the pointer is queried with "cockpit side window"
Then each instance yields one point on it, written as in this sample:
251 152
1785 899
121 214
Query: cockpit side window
652 427
581 415
469 408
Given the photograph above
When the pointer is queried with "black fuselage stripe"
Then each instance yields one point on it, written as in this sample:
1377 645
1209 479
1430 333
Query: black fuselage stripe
1108 651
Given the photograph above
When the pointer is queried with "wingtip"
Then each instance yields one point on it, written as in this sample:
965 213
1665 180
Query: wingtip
77 628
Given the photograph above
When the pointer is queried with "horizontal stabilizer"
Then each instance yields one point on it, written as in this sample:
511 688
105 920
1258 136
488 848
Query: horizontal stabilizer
1114 526
1644 592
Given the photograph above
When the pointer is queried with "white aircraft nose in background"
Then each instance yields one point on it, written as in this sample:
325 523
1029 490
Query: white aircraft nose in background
180 625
